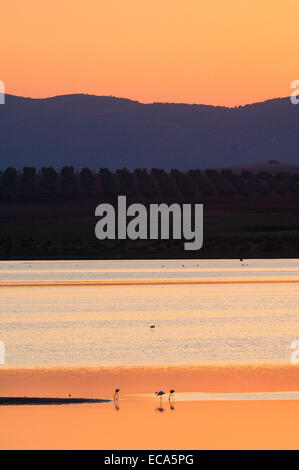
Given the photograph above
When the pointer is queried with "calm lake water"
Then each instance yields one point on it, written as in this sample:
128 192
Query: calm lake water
251 318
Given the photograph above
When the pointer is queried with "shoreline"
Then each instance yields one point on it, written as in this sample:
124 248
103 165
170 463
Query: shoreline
5 401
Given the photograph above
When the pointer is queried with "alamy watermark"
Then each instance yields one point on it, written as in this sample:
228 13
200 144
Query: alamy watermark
2 92
295 353
153 223
295 95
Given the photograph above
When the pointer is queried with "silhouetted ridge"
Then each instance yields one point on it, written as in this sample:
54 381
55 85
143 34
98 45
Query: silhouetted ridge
103 131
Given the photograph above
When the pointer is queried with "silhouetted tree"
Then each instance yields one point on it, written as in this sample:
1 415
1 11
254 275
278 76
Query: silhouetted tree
290 182
184 183
255 183
28 188
220 182
108 186
87 182
68 183
274 185
9 183
48 186
126 182
201 183
165 184
237 182
145 184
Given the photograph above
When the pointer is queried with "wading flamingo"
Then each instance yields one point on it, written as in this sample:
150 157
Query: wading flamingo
160 394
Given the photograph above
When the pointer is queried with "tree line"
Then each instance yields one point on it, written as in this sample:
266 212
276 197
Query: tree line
67 183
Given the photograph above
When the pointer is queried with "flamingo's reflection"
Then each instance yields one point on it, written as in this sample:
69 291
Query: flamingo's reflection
171 399
160 394
116 399
160 409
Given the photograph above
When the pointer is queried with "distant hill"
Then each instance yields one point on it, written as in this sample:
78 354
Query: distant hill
98 131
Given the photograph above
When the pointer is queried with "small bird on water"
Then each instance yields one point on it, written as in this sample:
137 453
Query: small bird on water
152 326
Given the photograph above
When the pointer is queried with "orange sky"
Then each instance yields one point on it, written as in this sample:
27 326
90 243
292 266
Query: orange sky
223 52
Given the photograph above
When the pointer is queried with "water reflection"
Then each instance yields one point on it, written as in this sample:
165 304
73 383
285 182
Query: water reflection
160 409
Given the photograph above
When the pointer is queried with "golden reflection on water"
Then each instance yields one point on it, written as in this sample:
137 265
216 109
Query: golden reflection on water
108 320
150 423
194 324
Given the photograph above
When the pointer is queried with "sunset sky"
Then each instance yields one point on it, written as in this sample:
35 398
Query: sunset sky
222 52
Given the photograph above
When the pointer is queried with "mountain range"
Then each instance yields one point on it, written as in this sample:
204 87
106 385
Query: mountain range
100 131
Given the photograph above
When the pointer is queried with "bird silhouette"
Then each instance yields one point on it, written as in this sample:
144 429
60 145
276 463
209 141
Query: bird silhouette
160 394
152 326
116 392
171 392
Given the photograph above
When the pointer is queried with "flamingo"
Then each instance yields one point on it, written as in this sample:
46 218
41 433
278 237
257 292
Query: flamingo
160 394
117 390
171 392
